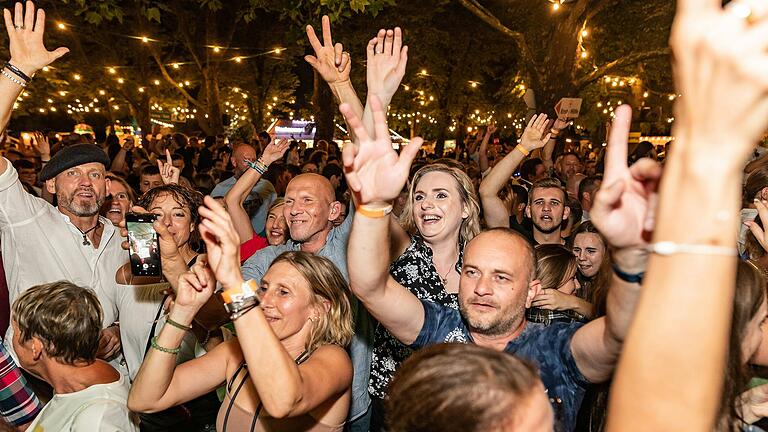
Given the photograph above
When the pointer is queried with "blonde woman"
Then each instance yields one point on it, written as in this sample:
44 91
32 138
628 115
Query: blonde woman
287 370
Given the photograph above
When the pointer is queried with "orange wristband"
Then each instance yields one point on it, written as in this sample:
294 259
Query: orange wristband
374 212
522 150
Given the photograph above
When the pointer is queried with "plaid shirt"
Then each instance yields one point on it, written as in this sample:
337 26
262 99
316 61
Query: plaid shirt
18 404
547 317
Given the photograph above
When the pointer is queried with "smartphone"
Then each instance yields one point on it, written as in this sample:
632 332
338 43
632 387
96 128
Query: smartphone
143 244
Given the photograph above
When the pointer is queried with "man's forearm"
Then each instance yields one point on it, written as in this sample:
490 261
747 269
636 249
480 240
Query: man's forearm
9 92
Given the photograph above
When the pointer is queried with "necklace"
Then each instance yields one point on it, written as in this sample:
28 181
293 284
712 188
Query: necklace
445 278
85 233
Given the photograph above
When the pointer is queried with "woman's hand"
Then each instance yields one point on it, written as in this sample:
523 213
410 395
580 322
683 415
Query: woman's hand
194 289
375 172
169 173
274 151
552 299
25 31
330 61
533 136
387 58
222 242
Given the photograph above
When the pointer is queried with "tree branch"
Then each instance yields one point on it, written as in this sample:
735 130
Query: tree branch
598 6
484 14
616 64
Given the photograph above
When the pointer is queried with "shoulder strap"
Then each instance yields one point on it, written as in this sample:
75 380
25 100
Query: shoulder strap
154 325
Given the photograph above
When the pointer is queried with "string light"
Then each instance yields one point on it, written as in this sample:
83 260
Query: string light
216 49
120 81
76 77
145 39
238 59
61 26
157 82
584 33
175 65
112 70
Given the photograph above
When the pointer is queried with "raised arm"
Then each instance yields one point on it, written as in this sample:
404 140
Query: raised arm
28 54
334 65
169 173
385 69
376 174
484 148
285 388
495 211
623 212
236 196
671 372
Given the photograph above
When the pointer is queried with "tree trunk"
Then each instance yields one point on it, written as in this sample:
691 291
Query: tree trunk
323 103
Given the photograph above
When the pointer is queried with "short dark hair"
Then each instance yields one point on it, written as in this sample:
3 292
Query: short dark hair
547 183
23 164
588 185
458 387
265 136
148 170
65 317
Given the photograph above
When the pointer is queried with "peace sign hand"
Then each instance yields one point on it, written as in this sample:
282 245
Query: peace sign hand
169 173
330 61
25 31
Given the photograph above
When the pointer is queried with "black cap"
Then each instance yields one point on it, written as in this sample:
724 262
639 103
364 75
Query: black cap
72 156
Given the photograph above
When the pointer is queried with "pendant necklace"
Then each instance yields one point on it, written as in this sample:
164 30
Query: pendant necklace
85 234
445 278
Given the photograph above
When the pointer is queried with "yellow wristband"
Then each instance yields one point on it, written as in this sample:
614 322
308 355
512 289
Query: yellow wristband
374 212
522 150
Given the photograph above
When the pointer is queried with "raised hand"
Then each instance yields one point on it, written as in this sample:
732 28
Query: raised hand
41 145
169 173
25 31
274 151
533 136
491 130
387 58
721 70
375 172
624 206
330 61
195 287
222 243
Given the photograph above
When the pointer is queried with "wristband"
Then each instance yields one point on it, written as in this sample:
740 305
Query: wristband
179 326
172 351
239 300
667 248
258 166
374 212
13 78
627 277
522 150
17 71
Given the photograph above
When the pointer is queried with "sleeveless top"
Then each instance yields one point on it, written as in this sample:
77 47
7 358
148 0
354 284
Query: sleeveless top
232 418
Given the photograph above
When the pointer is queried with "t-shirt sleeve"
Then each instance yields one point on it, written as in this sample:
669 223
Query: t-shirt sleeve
346 227
104 416
561 337
439 321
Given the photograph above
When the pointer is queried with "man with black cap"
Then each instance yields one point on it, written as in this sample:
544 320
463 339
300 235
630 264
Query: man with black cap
43 244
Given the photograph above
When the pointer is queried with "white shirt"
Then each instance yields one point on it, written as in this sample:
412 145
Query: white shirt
40 245
100 407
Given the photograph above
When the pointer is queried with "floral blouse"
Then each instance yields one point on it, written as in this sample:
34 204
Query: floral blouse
414 270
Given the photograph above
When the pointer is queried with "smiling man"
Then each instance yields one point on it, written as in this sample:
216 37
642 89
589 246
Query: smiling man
43 244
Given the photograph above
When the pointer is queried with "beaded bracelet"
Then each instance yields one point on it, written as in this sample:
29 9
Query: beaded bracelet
172 351
13 78
258 166
17 71
179 326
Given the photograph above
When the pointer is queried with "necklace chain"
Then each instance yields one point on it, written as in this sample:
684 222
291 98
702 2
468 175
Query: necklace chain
85 233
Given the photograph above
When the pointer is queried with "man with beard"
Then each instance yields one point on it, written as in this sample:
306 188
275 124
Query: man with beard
43 244
262 194
547 209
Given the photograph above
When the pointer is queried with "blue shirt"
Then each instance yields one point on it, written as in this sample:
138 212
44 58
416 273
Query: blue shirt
262 195
361 348
548 347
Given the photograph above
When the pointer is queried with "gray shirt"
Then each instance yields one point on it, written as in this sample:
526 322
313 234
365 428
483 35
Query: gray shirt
361 348
263 194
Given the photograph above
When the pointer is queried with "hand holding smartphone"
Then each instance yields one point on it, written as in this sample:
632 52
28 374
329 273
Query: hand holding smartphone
144 245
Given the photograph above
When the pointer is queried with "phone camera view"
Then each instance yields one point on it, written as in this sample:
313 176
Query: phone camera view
144 249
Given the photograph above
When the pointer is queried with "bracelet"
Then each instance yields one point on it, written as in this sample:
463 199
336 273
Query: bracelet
17 71
374 212
13 78
666 248
628 277
179 326
522 150
240 312
172 351
259 166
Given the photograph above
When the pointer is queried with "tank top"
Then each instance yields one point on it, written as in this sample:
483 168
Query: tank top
232 418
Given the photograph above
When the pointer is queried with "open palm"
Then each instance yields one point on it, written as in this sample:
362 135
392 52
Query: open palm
25 31
625 205
533 136
222 243
374 170
387 58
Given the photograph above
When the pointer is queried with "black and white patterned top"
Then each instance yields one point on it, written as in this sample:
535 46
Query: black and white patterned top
416 271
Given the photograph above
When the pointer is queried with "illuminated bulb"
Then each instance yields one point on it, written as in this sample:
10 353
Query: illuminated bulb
605 111
407 88
157 82
474 85
141 89
62 26
431 98
583 54
112 70
181 84
53 109
423 71
46 68
599 104
62 93
278 50
76 77
120 81
50 100
175 65
144 39
645 95
95 110
555 7
671 97
238 59
216 49
42 110
509 115
477 111
274 98
102 92
186 83
117 107
469 129
584 33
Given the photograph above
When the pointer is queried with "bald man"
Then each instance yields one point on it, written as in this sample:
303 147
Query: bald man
310 209
260 197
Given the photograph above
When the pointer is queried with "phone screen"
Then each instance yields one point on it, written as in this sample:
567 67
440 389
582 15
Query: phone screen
143 245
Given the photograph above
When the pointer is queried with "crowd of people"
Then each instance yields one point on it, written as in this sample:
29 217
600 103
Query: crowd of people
522 286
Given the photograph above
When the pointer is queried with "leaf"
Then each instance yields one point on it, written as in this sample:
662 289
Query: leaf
153 14
93 17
